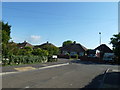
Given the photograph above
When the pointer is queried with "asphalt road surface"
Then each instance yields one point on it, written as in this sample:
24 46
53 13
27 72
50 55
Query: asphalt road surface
77 74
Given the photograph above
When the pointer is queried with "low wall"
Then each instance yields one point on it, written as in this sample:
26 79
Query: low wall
94 59
85 58
64 56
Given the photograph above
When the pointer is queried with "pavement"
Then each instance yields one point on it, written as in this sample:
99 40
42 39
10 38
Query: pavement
26 67
111 79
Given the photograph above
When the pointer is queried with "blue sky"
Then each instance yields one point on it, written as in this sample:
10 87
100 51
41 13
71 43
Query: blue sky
39 22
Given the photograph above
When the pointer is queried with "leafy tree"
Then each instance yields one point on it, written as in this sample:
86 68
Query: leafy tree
25 51
6 27
40 52
5 34
6 30
67 42
5 37
115 41
52 50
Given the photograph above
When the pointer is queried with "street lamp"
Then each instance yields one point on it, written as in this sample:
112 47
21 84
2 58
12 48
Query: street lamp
100 37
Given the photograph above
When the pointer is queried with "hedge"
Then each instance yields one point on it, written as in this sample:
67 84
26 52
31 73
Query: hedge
11 60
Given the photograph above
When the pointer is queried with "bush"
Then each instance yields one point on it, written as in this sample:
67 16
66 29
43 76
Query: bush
50 59
24 59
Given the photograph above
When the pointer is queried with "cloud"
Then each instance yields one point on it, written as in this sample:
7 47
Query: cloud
34 39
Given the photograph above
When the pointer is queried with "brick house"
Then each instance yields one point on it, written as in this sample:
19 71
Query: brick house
73 49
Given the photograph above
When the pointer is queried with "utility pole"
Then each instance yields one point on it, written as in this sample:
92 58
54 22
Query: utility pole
100 37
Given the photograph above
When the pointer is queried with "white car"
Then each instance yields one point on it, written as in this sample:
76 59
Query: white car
108 56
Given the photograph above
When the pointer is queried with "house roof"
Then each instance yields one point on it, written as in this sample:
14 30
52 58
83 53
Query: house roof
104 48
24 44
74 47
44 44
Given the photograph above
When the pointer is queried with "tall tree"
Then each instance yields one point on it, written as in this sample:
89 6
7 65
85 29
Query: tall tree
52 50
67 42
5 31
6 27
115 41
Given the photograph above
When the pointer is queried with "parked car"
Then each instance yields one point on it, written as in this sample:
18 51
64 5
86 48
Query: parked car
108 56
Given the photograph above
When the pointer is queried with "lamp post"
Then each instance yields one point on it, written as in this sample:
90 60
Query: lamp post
100 37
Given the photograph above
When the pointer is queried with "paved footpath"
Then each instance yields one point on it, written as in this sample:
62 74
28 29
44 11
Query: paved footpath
26 67
111 79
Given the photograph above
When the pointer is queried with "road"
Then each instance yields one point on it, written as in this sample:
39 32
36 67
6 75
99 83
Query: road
77 74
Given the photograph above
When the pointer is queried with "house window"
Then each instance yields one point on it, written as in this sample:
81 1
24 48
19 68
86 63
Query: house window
73 53
64 52
81 53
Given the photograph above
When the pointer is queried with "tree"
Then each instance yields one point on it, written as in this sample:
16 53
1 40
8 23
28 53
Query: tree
115 41
67 42
52 50
6 27
6 30
5 34
40 52
5 37
25 51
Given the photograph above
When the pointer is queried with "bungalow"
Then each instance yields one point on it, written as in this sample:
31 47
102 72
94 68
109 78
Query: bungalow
102 49
73 49
43 45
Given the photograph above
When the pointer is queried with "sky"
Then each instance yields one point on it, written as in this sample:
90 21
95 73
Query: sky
56 22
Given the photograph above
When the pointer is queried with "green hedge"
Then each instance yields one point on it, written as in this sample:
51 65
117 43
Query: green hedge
11 60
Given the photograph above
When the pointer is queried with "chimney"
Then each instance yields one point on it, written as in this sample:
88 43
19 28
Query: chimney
74 42
25 42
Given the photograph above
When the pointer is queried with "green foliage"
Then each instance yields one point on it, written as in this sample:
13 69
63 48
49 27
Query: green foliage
5 34
13 59
5 37
115 41
40 52
67 42
6 27
9 49
76 55
50 59
6 30
12 54
52 50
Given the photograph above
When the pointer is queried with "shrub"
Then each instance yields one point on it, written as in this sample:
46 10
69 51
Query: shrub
24 59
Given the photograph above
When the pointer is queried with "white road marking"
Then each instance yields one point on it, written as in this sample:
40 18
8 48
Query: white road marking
8 73
107 70
27 87
115 70
54 66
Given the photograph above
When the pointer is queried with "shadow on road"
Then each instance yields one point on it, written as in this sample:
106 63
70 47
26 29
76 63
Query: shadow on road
95 83
88 62
108 80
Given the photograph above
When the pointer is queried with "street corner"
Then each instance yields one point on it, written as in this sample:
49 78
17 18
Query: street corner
25 68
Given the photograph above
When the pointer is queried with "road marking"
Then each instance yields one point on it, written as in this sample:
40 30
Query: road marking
115 70
4 73
54 66
8 73
27 87
24 68
107 70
